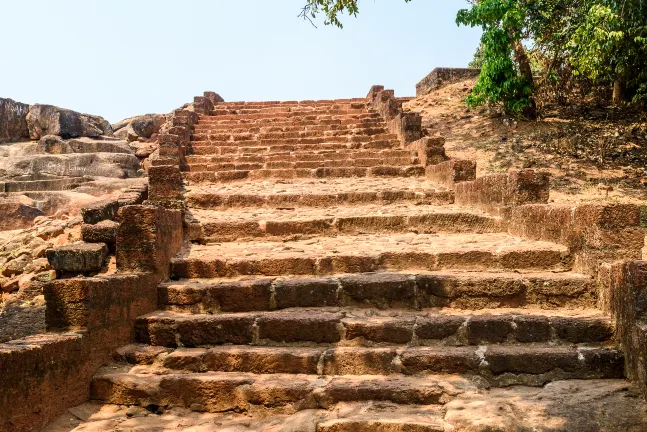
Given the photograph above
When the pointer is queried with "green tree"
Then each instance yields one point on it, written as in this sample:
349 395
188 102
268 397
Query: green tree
609 46
502 79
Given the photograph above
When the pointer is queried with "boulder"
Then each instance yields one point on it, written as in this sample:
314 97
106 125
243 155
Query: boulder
13 121
16 215
51 120
144 126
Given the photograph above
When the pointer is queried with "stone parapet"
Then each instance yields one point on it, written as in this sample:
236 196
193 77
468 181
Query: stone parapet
147 239
623 294
594 233
499 193
452 171
440 77
406 125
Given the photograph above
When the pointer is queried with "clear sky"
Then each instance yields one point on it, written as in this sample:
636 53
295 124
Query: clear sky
119 58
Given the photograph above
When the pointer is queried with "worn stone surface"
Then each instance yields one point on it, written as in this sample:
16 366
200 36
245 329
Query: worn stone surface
604 405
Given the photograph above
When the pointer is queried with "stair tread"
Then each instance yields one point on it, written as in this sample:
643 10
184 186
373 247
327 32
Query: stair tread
372 245
458 274
315 186
376 315
490 361
334 212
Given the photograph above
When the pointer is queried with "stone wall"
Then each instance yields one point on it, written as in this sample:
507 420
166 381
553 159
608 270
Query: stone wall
406 125
87 319
595 233
623 287
440 77
499 193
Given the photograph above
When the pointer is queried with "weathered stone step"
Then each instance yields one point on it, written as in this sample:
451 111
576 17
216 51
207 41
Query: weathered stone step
230 224
533 364
569 405
287 124
387 419
360 162
237 104
324 113
459 290
287 148
292 105
220 140
369 253
233 127
371 327
318 193
248 135
215 176
320 155
220 392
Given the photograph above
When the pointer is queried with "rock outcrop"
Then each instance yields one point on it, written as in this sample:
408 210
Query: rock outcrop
140 127
13 121
51 120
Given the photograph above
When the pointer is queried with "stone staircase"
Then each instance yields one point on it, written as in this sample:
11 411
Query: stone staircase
321 267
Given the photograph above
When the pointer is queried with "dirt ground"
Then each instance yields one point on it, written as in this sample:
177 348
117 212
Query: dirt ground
593 154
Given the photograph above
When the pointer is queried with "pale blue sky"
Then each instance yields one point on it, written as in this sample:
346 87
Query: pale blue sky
119 58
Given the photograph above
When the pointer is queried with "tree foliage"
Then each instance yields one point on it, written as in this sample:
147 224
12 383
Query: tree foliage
501 80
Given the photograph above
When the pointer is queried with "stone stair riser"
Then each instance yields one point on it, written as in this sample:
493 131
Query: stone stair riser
379 290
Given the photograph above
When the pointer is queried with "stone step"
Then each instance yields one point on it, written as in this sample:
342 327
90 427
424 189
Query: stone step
247 135
220 392
608 405
233 127
458 290
387 419
377 145
288 124
500 365
285 223
237 104
221 140
215 176
318 156
297 165
323 113
369 253
372 327
292 105
318 193
308 119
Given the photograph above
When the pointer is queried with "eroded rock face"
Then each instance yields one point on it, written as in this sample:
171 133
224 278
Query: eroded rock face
116 165
51 120
13 121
